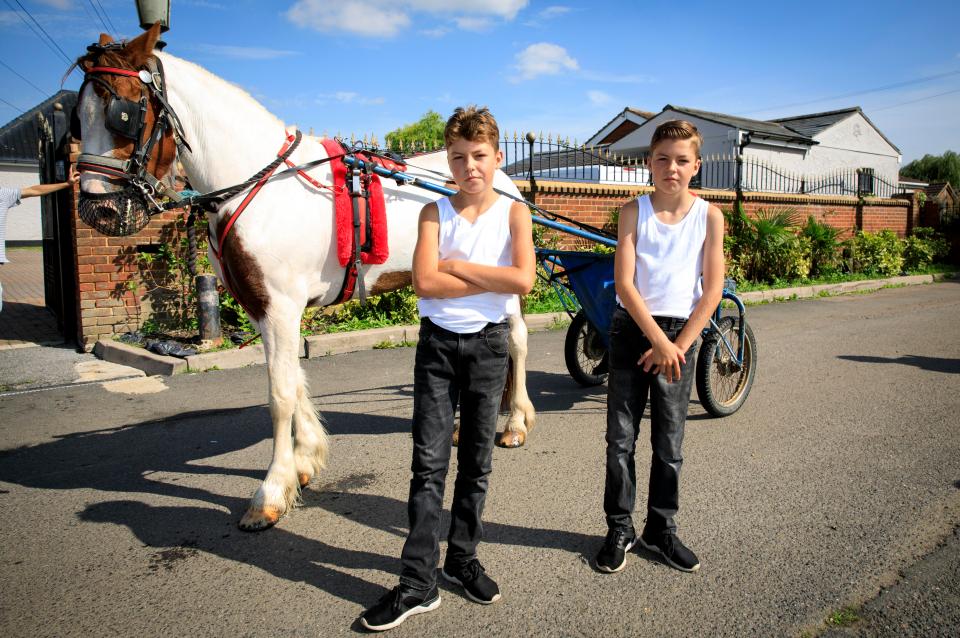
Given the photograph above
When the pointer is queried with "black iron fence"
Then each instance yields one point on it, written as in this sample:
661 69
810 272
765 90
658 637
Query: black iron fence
559 159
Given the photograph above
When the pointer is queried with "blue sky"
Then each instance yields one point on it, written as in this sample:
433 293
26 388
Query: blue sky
361 67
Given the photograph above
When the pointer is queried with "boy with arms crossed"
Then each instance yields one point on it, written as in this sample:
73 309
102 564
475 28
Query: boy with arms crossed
474 255
666 241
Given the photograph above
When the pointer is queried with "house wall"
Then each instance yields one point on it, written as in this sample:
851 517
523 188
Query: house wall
23 221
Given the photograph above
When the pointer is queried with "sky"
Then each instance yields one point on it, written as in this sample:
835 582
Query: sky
366 67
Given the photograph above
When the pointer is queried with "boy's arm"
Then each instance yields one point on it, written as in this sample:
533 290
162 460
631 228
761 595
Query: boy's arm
428 281
664 356
713 269
517 278
46 189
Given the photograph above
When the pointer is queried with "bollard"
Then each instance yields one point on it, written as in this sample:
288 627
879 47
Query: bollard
208 309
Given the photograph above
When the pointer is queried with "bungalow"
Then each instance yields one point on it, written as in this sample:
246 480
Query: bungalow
814 145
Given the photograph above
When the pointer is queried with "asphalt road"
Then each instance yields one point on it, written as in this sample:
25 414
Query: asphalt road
837 484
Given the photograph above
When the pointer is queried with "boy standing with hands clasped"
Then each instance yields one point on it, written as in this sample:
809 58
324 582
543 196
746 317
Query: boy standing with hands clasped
669 279
474 255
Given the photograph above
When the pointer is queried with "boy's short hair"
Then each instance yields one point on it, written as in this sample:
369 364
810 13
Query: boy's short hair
677 130
472 123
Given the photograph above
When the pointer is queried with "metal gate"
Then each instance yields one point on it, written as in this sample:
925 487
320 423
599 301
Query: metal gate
56 210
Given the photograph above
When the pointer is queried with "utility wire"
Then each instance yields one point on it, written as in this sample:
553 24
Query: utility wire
12 70
929 97
99 17
856 93
65 56
32 28
11 105
107 16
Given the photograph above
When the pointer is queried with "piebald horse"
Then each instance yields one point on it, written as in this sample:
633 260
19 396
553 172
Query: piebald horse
280 255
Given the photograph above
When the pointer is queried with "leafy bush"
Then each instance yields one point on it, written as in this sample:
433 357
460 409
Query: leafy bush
877 253
769 249
924 247
824 247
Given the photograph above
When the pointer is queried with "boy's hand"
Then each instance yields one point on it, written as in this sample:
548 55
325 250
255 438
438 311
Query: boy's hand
74 176
665 357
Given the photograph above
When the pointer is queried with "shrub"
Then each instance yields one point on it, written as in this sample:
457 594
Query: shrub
824 247
924 247
769 248
877 253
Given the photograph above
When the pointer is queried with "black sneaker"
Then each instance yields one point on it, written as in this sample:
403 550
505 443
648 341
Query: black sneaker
675 553
612 557
396 605
478 587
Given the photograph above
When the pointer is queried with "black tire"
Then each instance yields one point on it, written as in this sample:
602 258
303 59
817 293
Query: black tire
585 352
722 386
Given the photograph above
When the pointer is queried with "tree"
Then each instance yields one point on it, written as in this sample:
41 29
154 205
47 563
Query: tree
935 168
427 131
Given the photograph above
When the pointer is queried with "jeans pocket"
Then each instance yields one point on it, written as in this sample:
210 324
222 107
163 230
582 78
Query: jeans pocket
497 339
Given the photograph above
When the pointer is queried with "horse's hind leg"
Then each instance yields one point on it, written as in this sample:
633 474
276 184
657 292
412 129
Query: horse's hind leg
310 438
280 490
522 415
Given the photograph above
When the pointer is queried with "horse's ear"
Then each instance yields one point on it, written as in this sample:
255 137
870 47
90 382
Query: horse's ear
141 47
105 39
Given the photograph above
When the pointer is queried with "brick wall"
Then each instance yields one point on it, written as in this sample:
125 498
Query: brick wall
117 292
594 204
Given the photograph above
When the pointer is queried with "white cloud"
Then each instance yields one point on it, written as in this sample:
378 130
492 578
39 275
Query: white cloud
598 98
554 11
348 97
361 18
543 58
603 76
474 23
243 53
8 17
387 18
57 4
506 9
438 32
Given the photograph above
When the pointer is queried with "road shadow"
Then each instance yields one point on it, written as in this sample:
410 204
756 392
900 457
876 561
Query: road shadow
932 364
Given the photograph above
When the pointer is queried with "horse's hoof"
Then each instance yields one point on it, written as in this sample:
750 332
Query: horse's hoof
255 520
511 439
303 478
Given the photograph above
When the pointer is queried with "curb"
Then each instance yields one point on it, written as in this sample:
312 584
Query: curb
324 345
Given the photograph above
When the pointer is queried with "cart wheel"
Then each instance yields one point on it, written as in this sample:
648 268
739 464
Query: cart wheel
722 385
585 353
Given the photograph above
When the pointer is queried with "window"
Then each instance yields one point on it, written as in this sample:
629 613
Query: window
865 181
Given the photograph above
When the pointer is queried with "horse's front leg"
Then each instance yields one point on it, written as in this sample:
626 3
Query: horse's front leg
280 491
522 415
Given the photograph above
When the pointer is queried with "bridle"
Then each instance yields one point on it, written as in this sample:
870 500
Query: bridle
127 118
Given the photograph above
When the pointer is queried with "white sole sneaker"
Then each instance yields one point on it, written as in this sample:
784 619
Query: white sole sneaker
613 570
456 581
413 611
666 559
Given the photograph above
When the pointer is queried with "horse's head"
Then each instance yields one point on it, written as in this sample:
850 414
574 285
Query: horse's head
130 134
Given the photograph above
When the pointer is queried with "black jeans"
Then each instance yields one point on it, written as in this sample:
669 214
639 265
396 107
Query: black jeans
470 369
628 387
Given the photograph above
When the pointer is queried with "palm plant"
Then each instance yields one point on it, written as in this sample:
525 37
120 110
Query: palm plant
824 247
770 240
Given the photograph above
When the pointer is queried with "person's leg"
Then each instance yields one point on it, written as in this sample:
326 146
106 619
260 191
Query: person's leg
435 397
483 369
627 387
668 416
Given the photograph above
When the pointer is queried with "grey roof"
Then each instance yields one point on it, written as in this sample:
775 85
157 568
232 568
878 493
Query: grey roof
646 115
18 138
814 123
771 130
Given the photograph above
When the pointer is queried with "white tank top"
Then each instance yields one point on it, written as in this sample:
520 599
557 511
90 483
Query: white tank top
670 260
486 241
